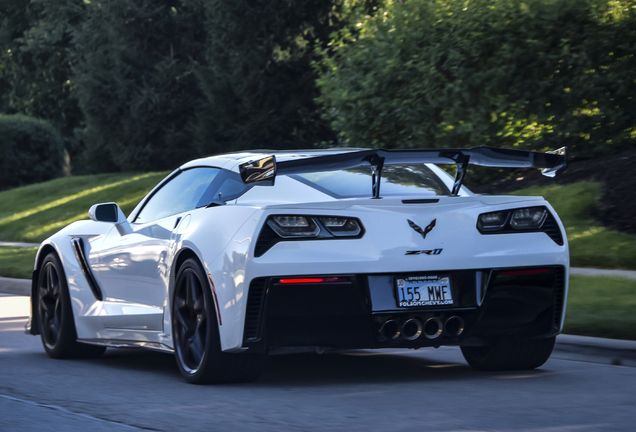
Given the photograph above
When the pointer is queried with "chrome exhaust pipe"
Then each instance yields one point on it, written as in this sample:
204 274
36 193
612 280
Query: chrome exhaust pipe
412 329
433 328
454 326
390 330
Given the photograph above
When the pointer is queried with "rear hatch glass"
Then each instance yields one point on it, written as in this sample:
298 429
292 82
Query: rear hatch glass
397 180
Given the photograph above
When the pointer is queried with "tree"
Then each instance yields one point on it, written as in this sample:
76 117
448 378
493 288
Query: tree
133 69
35 69
257 78
454 73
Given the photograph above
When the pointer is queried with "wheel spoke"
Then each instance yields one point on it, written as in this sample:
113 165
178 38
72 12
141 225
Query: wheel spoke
197 348
180 319
185 350
50 304
188 289
49 279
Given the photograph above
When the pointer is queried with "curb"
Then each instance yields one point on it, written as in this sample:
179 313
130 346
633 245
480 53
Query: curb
19 244
15 286
626 274
597 350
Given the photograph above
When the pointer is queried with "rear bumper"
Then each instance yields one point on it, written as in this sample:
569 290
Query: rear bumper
523 303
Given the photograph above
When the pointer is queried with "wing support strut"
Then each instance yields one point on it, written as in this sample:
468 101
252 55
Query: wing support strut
462 166
376 176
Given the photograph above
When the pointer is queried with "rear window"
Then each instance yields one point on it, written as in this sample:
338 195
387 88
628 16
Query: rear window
402 179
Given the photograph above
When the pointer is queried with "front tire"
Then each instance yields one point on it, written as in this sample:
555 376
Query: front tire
504 354
55 314
196 334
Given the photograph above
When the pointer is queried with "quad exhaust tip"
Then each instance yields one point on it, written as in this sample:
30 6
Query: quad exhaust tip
412 329
390 330
433 328
454 326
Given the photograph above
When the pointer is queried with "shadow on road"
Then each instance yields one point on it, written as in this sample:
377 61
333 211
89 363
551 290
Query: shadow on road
302 370
358 367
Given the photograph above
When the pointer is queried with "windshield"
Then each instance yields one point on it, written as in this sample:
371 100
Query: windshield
401 179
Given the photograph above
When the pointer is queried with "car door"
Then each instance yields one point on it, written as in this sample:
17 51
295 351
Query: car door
132 269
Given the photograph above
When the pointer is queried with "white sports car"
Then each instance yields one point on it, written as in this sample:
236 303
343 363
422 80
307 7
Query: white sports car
234 255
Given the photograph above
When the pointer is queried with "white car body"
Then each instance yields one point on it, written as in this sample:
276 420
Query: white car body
135 264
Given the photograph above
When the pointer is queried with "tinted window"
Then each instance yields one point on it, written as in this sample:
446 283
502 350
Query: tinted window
180 194
190 189
403 179
227 185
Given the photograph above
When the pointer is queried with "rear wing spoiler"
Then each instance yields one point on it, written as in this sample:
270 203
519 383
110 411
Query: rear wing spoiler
265 170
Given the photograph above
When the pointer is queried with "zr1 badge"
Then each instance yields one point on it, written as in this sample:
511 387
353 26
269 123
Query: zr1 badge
424 252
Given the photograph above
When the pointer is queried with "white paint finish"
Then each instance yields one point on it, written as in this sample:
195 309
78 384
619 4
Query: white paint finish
134 267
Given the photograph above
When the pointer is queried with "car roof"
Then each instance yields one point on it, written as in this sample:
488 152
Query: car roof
231 161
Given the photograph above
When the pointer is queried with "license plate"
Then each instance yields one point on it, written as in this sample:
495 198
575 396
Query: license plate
423 291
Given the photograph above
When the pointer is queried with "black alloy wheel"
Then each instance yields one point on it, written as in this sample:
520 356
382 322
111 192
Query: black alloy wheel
55 314
50 305
191 320
196 338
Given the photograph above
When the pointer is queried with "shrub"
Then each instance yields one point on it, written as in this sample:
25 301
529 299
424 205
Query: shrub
455 73
31 151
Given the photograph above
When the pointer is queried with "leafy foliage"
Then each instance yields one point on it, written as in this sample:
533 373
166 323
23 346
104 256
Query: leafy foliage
31 151
35 68
258 82
257 79
455 73
135 84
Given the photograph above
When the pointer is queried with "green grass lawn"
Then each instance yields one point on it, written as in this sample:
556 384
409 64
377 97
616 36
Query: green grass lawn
591 245
17 262
601 306
32 213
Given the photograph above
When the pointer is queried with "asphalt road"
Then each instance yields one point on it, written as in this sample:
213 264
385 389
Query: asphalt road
423 390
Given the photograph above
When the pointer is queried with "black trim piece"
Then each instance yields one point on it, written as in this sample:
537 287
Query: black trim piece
254 310
78 246
549 226
35 321
420 201
266 240
559 297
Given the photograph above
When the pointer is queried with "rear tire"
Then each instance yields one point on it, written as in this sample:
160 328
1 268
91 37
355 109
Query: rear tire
509 354
196 334
55 314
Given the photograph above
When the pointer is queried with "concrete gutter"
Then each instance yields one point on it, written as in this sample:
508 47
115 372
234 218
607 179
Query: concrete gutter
595 350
